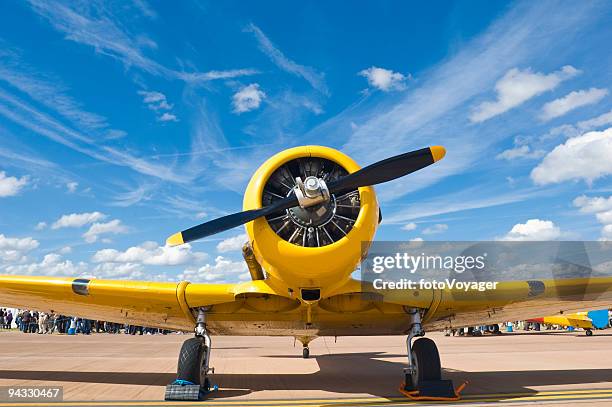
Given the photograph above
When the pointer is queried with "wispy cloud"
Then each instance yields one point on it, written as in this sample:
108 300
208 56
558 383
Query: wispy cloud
455 202
266 46
571 101
95 24
517 86
49 92
158 102
40 123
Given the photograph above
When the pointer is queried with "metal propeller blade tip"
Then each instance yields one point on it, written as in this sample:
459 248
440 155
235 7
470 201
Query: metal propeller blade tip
437 152
175 240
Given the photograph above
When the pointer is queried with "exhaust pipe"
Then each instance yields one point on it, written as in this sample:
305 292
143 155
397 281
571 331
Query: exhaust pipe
254 267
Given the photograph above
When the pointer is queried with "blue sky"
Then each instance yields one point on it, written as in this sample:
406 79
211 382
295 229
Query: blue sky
123 122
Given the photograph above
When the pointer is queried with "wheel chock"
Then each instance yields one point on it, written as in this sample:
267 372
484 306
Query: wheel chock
183 390
433 390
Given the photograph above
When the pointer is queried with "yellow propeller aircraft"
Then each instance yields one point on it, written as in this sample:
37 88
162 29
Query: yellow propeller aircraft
307 211
575 320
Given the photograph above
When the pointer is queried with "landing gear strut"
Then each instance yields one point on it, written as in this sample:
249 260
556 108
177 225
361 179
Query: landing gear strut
423 356
305 340
423 375
192 373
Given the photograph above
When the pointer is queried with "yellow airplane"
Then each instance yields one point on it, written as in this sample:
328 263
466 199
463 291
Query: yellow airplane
307 211
576 320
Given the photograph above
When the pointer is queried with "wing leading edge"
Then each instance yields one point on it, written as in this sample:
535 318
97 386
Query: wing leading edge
155 304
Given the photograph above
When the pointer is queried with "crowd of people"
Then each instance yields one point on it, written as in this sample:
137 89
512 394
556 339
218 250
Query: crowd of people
30 321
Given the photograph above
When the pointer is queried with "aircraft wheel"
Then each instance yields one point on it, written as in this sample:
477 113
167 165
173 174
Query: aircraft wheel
426 360
191 362
305 352
589 332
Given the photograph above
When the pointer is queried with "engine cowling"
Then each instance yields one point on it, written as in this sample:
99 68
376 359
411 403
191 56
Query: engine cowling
316 247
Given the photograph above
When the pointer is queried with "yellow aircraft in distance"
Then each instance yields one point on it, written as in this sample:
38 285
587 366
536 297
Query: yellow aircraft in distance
576 320
307 211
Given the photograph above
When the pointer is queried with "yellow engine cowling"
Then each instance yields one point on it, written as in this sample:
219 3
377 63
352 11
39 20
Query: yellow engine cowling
290 266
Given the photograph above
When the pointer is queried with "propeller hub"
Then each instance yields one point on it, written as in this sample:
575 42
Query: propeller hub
312 191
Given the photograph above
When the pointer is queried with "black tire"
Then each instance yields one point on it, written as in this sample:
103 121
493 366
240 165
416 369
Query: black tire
191 361
305 353
589 332
427 360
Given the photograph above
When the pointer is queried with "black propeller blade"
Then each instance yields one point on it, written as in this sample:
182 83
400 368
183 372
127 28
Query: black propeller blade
377 173
229 221
387 170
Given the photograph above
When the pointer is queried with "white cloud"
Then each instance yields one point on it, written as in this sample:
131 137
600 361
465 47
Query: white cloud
384 79
22 244
77 220
248 98
599 121
602 208
41 226
571 101
123 271
409 226
167 117
568 130
593 205
222 270
13 249
232 244
584 157
518 152
52 265
417 239
157 101
65 250
606 232
604 217
277 57
533 229
97 229
10 186
150 253
516 87
72 187
437 228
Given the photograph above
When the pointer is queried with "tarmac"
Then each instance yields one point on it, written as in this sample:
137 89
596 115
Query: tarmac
515 368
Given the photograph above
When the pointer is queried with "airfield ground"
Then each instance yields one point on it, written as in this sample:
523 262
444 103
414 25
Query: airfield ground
556 367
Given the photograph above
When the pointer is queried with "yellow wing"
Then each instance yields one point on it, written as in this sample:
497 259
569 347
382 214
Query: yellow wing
256 308
135 302
520 300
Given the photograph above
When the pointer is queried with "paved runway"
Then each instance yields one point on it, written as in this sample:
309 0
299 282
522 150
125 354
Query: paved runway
544 367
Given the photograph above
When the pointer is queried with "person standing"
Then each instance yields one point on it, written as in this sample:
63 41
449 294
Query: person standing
9 319
42 323
25 321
